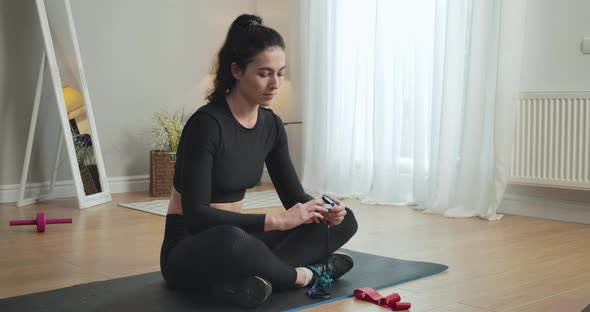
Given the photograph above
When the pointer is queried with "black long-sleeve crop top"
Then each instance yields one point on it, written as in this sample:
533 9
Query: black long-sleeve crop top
218 159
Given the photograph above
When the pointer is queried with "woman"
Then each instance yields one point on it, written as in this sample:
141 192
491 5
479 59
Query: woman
208 243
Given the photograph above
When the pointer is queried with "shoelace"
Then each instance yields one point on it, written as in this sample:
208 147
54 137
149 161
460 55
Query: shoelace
324 275
324 278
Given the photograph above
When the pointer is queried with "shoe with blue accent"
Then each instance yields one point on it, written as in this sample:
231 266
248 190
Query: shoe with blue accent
327 271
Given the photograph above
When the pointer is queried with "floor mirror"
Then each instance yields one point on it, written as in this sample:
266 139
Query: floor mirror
63 60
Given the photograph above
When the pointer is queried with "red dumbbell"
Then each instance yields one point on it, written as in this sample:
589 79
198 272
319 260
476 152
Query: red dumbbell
40 222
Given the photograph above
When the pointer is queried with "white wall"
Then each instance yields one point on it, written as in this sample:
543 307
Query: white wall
145 56
281 15
140 57
553 60
21 44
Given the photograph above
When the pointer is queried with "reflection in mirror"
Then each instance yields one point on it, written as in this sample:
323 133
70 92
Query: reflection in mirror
65 64
82 138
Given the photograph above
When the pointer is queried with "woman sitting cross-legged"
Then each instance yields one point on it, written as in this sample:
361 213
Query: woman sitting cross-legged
208 243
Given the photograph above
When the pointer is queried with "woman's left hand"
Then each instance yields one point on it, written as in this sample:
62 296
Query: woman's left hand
335 215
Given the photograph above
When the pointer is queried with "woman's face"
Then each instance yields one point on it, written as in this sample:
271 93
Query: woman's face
261 80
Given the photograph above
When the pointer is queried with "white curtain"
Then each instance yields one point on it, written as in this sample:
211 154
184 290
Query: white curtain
410 102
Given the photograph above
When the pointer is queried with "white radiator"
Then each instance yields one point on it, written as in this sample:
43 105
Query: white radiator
552 143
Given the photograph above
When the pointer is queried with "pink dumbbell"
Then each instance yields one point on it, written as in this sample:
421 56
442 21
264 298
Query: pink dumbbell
40 222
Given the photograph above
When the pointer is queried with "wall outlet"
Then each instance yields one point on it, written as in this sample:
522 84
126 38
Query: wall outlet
586 45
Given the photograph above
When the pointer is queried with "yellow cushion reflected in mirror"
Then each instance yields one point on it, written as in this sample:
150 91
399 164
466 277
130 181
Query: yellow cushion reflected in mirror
73 99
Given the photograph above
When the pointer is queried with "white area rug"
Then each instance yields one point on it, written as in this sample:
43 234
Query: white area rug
252 200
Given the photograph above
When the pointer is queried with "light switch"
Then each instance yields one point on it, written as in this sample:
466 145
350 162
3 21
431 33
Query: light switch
586 45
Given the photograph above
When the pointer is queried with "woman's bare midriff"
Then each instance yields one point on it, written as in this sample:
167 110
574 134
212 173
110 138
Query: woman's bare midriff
175 206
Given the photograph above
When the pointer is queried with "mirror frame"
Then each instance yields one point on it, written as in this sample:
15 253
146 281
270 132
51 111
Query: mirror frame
84 200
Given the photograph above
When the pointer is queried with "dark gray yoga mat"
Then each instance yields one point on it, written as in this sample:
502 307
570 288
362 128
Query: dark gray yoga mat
148 292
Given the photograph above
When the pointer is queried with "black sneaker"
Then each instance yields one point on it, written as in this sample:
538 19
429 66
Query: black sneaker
249 292
336 265
327 271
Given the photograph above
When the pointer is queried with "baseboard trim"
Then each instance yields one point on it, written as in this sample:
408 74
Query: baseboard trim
138 183
63 189
567 211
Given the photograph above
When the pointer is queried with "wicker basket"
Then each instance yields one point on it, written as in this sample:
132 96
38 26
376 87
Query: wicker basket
88 181
94 171
161 172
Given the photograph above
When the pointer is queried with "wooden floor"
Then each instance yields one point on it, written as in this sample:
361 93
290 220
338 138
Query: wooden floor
516 264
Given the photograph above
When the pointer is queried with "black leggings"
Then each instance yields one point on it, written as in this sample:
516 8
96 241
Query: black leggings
227 252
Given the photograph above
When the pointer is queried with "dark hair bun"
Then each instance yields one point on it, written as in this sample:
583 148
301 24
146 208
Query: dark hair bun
246 21
246 37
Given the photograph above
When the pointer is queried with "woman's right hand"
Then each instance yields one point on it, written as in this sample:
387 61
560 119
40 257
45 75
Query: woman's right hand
308 212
